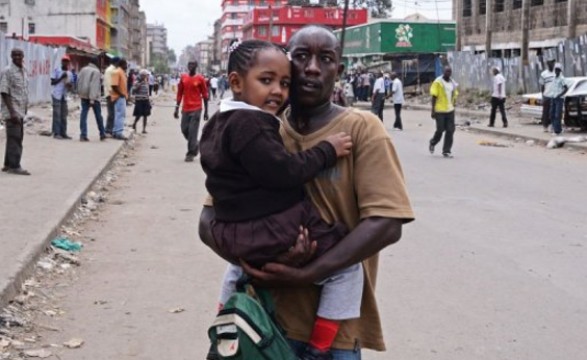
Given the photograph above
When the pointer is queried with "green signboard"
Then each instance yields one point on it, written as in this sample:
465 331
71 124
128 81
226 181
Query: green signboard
393 36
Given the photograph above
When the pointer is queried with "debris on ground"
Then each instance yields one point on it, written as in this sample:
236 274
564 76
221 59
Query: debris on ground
74 343
64 243
492 143
177 310
530 142
39 353
560 141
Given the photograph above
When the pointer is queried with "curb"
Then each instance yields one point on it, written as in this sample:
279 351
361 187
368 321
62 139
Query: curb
479 130
11 287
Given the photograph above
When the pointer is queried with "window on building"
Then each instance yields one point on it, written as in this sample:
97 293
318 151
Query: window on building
536 2
4 26
262 30
309 13
482 8
277 3
499 5
275 31
517 4
32 28
467 8
234 2
233 15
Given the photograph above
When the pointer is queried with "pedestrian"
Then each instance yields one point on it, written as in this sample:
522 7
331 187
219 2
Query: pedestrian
107 90
151 83
365 83
14 91
351 193
546 78
222 85
498 96
378 97
558 88
233 154
397 95
156 86
349 93
142 103
338 96
61 80
119 96
444 93
89 93
192 90
214 86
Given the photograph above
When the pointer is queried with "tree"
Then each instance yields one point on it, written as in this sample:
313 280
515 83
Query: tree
171 56
378 8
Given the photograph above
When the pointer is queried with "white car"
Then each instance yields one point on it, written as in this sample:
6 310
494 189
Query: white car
532 105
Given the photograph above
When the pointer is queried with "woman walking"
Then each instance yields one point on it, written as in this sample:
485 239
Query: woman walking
142 102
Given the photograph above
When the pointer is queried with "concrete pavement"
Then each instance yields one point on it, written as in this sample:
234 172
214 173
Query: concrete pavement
34 207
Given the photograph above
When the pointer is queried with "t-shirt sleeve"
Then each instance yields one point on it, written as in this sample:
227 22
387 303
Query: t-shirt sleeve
378 176
261 152
115 80
541 79
4 87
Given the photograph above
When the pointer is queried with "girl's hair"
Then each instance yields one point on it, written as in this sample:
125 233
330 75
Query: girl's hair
243 55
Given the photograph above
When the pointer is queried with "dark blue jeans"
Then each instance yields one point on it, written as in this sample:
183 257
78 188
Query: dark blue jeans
83 125
556 110
298 347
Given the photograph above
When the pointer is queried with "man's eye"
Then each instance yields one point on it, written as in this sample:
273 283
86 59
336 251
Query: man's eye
301 57
327 59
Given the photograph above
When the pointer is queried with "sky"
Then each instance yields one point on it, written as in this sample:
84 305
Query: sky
190 21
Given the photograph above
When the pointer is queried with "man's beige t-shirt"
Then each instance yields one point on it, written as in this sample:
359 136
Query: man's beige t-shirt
118 79
367 183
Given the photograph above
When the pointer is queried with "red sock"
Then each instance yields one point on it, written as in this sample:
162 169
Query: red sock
324 333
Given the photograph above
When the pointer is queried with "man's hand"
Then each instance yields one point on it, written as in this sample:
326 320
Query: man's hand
277 275
433 115
206 116
176 112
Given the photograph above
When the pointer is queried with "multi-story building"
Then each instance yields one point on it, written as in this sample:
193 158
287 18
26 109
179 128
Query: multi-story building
157 35
121 23
143 37
233 17
550 21
279 24
204 54
217 48
136 35
87 20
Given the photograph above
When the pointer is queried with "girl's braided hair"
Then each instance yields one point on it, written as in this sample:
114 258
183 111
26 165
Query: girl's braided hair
243 55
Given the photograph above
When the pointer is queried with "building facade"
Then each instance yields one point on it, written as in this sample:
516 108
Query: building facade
550 22
157 35
137 38
279 24
121 26
204 54
89 20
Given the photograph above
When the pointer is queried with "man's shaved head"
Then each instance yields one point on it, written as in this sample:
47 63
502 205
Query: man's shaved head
314 30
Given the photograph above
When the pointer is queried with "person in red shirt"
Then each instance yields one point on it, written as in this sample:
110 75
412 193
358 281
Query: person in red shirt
193 91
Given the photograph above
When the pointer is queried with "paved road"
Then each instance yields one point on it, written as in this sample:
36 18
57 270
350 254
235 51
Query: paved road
494 267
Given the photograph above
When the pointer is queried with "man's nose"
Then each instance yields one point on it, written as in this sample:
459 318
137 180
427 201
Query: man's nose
313 64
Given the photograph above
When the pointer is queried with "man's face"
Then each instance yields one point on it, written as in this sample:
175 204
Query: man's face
315 66
17 57
64 64
123 65
558 71
192 66
550 65
447 72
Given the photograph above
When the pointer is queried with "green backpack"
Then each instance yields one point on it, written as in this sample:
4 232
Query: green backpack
245 328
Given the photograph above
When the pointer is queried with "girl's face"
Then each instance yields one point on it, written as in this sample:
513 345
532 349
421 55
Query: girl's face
266 84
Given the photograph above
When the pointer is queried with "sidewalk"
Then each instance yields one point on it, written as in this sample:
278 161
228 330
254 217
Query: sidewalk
34 207
519 128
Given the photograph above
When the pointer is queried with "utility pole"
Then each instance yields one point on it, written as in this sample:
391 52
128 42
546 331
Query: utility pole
572 16
270 23
459 18
525 37
488 26
343 32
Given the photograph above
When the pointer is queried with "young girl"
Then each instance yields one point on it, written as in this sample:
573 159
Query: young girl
257 185
142 102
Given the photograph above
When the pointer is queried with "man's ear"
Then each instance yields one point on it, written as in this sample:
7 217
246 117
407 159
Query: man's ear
235 81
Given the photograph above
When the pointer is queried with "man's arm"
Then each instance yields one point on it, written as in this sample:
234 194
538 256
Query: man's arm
8 102
204 92
433 107
370 237
56 80
178 99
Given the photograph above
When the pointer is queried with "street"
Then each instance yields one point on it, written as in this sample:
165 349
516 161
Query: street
494 267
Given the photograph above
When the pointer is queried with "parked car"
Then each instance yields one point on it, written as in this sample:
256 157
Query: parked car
532 105
576 106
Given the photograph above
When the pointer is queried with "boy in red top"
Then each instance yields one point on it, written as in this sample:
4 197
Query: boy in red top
192 89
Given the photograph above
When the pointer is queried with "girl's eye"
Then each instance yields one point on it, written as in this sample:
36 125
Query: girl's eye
285 84
266 81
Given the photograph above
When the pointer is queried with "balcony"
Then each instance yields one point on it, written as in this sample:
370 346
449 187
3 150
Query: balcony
237 9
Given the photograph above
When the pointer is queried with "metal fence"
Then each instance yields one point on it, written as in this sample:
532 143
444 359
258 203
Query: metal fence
473 71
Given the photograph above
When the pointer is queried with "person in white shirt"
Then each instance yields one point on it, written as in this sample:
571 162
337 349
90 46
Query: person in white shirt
214 86
546 78
378 98
397 95
498 98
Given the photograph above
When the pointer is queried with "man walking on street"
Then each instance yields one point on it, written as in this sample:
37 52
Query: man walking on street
546 78
119 96
193 91
214 86
498 96
107 90
378 97
397 95
444 94
89 93
61 81
14 90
